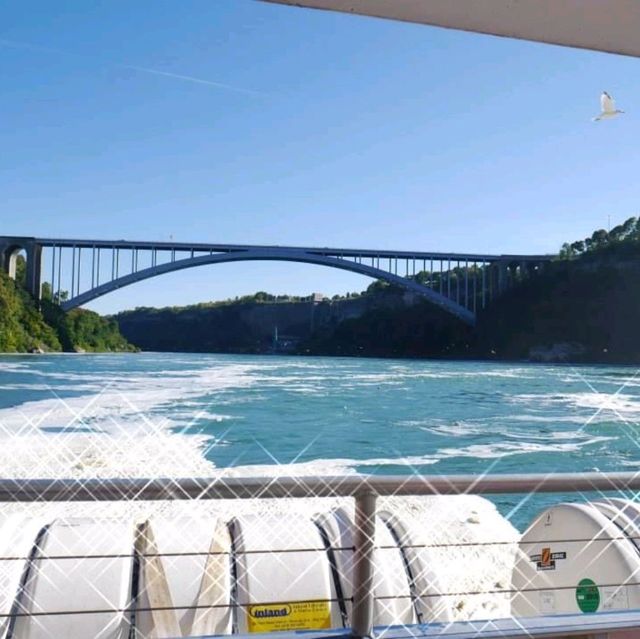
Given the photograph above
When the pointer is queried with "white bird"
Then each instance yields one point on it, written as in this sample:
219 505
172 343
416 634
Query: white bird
607 108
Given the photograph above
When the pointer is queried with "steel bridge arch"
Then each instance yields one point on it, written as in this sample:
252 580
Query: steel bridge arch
281 255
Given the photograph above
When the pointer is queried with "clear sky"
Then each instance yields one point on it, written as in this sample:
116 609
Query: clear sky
300 127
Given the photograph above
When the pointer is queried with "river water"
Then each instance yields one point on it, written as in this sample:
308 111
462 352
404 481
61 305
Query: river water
184 415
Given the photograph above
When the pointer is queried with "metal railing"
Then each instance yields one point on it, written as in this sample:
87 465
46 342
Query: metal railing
364 489
141 489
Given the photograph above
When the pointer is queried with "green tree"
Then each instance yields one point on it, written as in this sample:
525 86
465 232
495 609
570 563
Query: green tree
566 251
629 227
22 327
21 271
616 234
599 239
578 247
262 296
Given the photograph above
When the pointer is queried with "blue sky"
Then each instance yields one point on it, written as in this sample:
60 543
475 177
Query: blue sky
304 128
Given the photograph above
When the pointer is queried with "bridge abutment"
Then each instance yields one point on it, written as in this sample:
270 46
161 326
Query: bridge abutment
10 248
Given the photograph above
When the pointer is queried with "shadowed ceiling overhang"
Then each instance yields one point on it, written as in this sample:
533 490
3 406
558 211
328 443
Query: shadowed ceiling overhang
602 25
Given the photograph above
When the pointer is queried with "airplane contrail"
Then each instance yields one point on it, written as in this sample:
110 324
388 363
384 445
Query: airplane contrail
189 78
185 78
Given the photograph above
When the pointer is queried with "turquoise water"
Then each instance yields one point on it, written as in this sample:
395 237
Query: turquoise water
314 415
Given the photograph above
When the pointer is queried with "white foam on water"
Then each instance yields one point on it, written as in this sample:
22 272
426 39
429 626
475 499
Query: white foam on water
579 435
216 417
555 443
13 367
454 429
323 467
116 433
86 378
341 466
306 389
47 388
619 402
547 419
84 455
506 449
629 463
502 427
399 375
611 402
392 376
606 404
132 396
628 379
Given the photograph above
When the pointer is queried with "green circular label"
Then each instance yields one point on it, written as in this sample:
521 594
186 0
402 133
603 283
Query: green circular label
587 596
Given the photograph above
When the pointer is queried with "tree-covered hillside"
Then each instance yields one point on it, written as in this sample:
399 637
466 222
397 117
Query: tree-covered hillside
575 311
623 240
81 330
25 328
22 327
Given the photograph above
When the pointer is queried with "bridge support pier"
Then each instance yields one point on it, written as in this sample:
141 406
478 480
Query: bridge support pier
503 276
9 251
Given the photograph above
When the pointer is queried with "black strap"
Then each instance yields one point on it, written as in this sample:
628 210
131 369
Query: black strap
335 574
407 566
136 573
19 606
233 559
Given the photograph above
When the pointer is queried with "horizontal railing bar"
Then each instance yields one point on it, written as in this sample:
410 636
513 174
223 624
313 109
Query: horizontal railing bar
207 606
236 604
119 489
280 551
194 553
504 591
324 250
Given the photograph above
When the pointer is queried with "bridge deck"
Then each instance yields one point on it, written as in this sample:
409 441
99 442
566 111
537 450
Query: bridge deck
319 250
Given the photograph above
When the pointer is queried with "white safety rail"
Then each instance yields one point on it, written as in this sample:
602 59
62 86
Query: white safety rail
350 573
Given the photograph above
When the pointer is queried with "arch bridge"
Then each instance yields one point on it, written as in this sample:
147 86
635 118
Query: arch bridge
78 271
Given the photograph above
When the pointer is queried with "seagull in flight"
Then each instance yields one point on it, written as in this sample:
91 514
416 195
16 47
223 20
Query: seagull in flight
607 108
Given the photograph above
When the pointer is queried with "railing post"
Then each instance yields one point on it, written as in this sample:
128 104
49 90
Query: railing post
364 541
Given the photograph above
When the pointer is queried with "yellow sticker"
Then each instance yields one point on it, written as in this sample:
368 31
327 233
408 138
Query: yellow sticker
306 615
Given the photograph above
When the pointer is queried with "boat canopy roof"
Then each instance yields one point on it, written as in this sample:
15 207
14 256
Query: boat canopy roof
611 26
